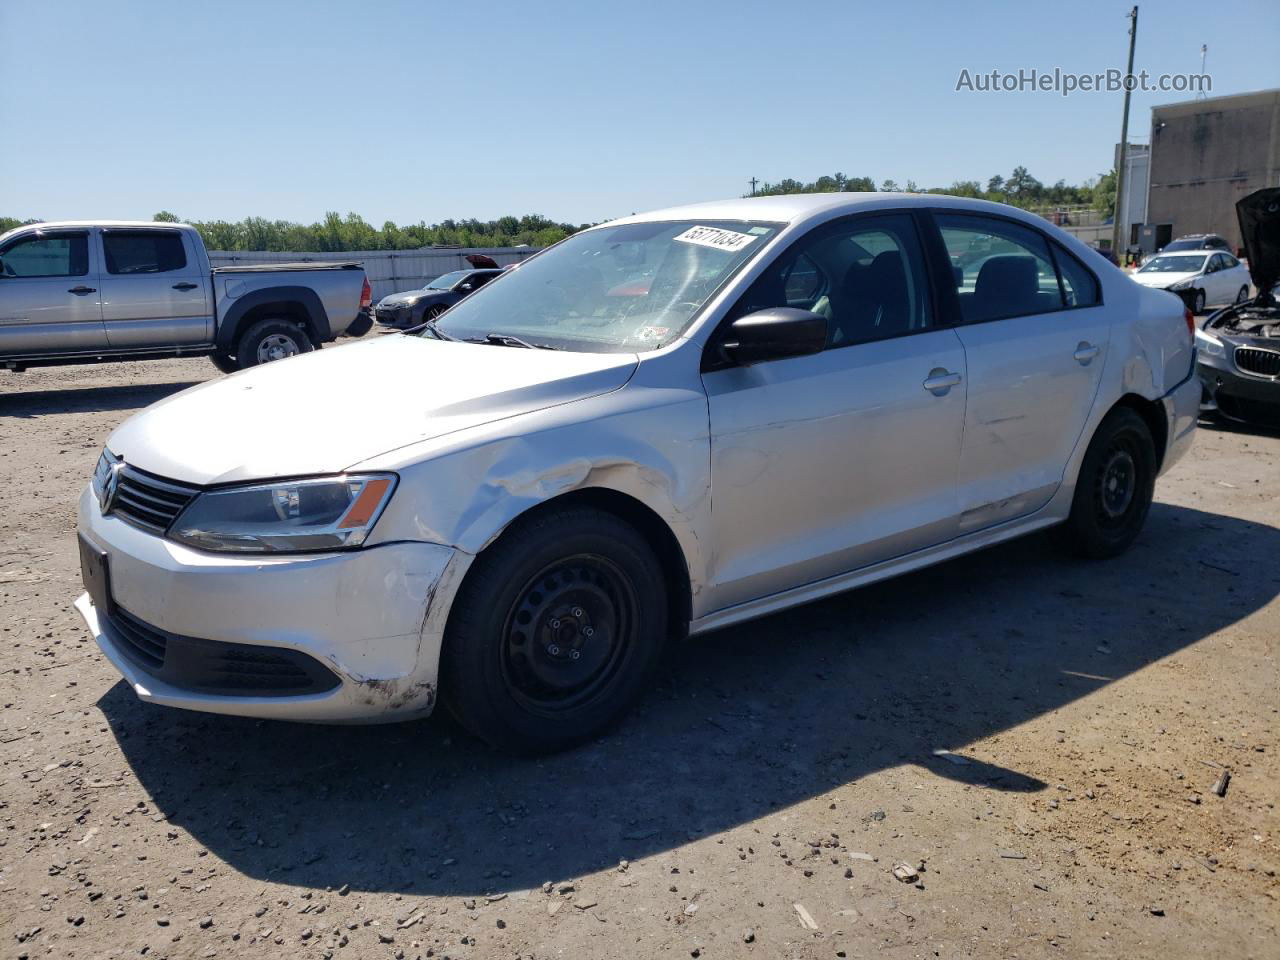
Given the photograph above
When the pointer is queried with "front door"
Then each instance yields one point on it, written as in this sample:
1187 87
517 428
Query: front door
1035 337
49 297
154 293
825 463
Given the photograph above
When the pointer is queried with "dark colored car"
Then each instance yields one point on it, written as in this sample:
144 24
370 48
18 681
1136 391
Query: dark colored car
1197 241
402 310
1238 349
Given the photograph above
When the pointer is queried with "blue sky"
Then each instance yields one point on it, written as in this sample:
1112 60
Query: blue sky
579 111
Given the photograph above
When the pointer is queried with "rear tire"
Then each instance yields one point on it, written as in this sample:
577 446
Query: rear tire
271 339
1115 487
555 631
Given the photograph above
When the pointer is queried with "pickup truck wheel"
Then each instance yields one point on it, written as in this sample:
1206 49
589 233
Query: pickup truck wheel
1115 487
555 632
271 339
224 362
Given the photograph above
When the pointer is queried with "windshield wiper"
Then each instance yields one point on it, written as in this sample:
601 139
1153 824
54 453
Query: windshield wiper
509 340
434 329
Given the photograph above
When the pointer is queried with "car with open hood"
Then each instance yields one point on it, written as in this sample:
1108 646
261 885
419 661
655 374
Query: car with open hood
1238 348
663 425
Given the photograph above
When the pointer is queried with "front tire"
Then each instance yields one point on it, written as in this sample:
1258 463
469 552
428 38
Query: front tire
224 362
555 631
1243 295
1115 487
1197 303
271 339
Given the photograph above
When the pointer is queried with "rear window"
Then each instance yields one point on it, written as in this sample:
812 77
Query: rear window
143 251
1079 285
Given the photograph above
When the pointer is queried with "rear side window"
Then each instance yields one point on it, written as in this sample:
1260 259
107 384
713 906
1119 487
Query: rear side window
47 255
1079 285
1001 269
143 251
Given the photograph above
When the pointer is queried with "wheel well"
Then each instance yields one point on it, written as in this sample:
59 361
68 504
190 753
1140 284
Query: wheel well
1153 414
650 526
285 309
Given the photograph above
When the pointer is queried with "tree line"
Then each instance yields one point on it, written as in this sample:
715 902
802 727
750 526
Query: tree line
336 233
1019 189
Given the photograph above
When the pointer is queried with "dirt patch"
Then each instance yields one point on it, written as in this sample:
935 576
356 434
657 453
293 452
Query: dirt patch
756 804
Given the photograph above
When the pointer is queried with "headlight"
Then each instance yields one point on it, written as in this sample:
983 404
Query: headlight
1209 346
333 513
1181 285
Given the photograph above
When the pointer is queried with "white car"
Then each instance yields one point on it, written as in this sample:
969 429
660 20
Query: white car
660 426
1200 278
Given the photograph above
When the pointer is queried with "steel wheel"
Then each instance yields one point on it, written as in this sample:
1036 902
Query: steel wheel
1116 483
277 346
567 633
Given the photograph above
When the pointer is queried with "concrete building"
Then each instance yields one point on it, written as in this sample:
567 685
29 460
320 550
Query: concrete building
1206 155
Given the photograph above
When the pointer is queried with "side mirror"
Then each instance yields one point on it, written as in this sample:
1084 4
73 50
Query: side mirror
465 286
773 334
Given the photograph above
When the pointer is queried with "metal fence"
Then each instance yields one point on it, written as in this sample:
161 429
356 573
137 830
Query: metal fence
389 271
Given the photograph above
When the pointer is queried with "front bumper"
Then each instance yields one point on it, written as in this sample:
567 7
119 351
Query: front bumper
1235 395
373 617
394 316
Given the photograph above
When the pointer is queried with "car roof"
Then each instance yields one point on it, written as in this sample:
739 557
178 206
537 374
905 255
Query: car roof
798 208
58 224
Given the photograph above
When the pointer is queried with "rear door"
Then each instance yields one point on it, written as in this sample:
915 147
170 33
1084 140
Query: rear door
1035 337
154 293
49 298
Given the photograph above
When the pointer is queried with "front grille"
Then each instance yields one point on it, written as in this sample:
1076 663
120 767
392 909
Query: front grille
1263 363
216 666
147 501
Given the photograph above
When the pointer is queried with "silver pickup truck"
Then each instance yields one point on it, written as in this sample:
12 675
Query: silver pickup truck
84 292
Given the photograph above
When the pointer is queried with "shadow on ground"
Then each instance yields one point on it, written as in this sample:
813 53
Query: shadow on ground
40 403
743 722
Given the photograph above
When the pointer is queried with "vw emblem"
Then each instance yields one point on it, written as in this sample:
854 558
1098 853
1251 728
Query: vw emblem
109 487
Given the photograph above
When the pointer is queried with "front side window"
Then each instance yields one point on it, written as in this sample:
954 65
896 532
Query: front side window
865 275
47 255
1001 269
143 251
625 288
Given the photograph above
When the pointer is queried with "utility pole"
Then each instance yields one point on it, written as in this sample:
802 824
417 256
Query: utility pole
1204 52
753 183
1118 224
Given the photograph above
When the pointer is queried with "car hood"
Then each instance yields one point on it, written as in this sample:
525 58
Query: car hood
412 296
1162 280
1259 216
328 410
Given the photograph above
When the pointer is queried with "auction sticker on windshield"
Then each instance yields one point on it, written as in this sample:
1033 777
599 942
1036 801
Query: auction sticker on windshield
716 238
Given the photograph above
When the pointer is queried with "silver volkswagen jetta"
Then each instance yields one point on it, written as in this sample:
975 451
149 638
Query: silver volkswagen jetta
662 425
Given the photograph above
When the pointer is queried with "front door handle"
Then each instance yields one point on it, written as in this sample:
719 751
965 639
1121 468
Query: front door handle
940 381
81 290
185 286
1085 352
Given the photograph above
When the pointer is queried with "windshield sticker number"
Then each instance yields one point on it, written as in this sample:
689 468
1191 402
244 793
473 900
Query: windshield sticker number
717 239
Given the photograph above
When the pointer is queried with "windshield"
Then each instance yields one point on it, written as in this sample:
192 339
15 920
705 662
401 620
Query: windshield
1185 245
627 288
1183 264
446 281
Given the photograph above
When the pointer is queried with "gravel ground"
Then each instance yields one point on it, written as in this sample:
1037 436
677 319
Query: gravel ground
754 806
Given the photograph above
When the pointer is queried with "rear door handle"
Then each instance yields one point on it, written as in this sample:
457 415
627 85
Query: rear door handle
1085 352
81 290
940 381
185 286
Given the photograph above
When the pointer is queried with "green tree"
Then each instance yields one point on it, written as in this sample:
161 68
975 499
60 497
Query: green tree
1104 194
164 216
890 186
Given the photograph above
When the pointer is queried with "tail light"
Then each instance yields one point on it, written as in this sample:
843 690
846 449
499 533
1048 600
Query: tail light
1186 314
366 295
